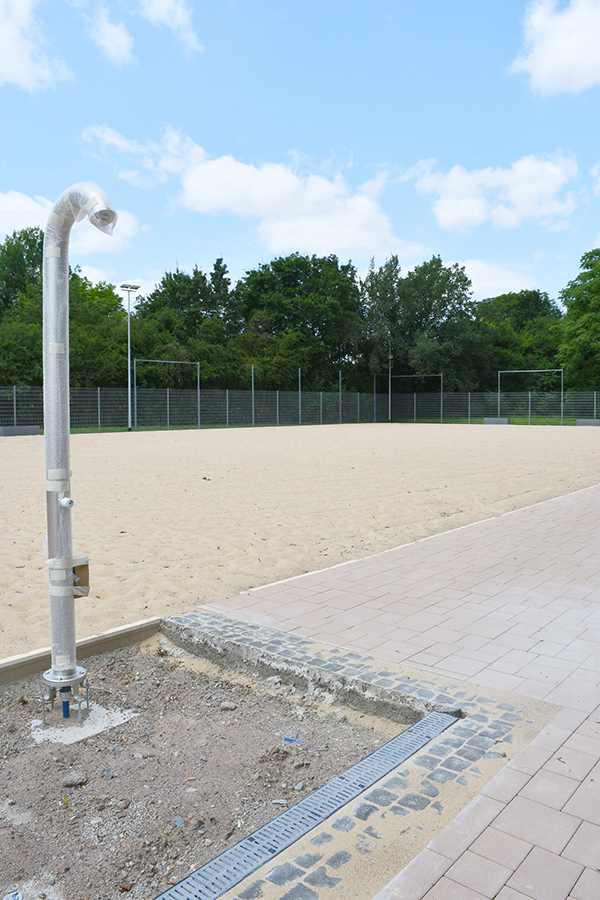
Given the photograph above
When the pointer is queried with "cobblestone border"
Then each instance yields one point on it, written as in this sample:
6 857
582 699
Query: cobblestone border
393 820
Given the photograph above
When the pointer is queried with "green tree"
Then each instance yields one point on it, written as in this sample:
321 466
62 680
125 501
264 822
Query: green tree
299 312
524 329
579 351
418 316
97 336
21 257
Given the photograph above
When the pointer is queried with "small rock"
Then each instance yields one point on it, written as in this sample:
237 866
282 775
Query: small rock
207 842
52 881
76 779
274 680
107 772
228 704
178 822
204 758
299 786
280 802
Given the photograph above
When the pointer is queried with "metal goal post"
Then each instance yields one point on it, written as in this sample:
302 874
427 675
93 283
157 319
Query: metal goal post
169 362
536 371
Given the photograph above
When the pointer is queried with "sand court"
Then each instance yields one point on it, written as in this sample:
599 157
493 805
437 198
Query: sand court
175 520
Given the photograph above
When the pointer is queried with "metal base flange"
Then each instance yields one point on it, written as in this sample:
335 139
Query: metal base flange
57 682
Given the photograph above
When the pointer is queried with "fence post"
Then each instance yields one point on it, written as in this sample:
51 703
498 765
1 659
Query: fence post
278 407
321 408
299 396
198 382
168 410
340 381
227 408
442 399
135 391
469 407
358 407
252 367
415 407
374 397
15 405
99 414
562 396
529 410
594 404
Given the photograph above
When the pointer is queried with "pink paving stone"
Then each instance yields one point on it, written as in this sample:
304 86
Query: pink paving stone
506 784
550 789
584 744
497 680
588 886
508 893
466 827
571 763
416 878
479 874
460 666
537 690
584 846
534 822
545 876
501 848
530 760
575 692
445 889
585 802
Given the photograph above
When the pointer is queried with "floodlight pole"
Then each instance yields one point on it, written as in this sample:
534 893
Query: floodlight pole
390 358
131 289
67 575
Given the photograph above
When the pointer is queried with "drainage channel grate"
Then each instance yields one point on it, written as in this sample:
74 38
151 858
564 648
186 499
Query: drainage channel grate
233 865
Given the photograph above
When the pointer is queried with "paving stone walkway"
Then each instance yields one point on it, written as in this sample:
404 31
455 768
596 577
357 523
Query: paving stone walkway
512 603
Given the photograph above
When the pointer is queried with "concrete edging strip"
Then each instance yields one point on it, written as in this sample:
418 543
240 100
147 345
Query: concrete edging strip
14 667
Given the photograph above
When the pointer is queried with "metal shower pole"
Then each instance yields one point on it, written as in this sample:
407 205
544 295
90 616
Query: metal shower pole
68 575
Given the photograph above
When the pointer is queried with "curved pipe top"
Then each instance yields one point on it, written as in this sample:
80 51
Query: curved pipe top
80 200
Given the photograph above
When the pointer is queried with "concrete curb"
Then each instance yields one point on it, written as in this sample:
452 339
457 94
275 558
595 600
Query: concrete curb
15 667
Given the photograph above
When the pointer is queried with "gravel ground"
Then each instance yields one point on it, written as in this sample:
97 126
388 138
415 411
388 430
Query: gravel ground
202 762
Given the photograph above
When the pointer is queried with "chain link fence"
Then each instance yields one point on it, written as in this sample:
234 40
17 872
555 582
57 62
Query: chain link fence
105 409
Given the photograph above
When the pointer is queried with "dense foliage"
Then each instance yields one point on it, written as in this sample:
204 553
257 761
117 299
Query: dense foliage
310 313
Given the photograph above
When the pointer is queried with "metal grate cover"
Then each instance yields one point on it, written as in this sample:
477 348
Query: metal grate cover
233 865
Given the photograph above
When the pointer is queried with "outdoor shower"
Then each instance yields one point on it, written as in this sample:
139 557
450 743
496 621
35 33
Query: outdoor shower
67 574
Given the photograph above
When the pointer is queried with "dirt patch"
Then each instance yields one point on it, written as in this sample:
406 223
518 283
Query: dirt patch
207 757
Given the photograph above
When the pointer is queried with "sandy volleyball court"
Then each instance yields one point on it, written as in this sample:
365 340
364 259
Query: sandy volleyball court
172 520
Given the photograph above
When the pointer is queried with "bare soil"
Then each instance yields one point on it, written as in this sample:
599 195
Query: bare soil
202 763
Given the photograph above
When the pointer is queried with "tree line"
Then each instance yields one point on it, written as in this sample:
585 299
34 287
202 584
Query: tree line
310 313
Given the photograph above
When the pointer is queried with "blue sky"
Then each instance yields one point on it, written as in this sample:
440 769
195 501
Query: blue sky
249 130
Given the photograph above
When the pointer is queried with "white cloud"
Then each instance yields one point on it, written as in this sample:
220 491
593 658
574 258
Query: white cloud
561 46
22 61
113 39
490 279
175 14
94 275
529 189
294 211
18 211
